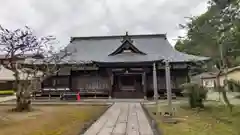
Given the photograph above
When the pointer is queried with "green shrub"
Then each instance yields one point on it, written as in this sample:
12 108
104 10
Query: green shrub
195 93
6 92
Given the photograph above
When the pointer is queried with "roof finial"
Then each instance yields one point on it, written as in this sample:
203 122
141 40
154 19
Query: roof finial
127 38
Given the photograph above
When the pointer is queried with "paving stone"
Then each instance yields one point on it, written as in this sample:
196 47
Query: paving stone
120 128
105 131
122 119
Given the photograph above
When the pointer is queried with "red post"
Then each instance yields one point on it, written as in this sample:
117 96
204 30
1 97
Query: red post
78 96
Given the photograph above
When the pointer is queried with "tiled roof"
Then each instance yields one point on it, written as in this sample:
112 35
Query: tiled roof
23 56
8 75
156 47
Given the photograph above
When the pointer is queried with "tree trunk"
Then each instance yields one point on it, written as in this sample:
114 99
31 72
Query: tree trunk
23 102
223 90
225 87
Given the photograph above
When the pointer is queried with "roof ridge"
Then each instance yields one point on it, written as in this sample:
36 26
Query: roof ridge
118 36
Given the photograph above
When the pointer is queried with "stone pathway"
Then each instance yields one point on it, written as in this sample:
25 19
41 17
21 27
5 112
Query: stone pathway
7 98
122 119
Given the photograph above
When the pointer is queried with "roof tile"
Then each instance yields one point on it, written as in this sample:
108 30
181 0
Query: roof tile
155 46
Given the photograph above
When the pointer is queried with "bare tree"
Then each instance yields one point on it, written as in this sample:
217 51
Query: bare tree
32 59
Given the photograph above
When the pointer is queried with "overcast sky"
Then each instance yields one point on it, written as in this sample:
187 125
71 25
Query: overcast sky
66 18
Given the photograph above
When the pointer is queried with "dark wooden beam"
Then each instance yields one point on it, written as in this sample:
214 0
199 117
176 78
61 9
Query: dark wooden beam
127 64
174 66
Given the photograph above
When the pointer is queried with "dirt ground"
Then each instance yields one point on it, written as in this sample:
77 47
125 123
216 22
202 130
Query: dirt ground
47 120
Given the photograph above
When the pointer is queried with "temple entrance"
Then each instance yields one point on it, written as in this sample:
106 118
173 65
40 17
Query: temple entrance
128 86
127 83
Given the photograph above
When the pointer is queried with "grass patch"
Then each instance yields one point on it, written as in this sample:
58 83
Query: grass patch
48 120
6 92
213 120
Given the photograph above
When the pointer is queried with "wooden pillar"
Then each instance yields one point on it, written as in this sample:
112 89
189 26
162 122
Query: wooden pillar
174 80
188 80
111 89
144 84
155 82
55 82
70 80
168 84
42 86
110 74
